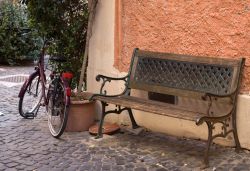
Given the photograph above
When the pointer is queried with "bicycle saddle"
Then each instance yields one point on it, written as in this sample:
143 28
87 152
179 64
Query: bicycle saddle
58 59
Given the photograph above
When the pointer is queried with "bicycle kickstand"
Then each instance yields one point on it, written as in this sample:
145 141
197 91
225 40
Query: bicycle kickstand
32 115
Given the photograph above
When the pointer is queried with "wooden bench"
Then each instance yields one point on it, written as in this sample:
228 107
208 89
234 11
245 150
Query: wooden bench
214 80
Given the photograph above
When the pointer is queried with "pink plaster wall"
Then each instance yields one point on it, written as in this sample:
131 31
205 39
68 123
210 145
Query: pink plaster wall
218 28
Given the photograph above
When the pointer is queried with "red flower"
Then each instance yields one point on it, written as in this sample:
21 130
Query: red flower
67 75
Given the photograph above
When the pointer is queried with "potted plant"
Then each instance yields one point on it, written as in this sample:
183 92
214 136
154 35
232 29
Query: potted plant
67 24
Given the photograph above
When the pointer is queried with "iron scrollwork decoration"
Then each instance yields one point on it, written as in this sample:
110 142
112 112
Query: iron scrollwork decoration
224 121
106 79
213 97
117 110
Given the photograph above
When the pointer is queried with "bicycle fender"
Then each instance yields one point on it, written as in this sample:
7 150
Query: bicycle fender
67 90
67 100
26 83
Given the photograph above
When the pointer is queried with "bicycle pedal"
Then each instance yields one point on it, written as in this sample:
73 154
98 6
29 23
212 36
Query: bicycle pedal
42 104
29 115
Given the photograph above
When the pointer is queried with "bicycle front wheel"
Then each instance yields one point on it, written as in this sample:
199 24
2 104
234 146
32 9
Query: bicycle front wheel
30 101
57 109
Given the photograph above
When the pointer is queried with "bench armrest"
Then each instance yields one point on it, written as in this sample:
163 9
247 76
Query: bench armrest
216 96
218 119
210 97
106 79
103 77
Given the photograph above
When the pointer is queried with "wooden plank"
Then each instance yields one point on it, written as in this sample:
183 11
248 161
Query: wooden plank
152 106
198 59
175 92
133 69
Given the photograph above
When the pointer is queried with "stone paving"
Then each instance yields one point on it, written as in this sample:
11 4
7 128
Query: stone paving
28 145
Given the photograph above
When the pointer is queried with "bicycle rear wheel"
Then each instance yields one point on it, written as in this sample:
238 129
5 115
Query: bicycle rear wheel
29 103
57 110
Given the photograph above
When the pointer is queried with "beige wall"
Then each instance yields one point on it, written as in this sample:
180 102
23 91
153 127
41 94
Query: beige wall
102 60
101 50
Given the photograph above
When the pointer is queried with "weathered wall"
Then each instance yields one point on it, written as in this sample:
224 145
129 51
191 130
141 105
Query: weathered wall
109 45
206 28
101 50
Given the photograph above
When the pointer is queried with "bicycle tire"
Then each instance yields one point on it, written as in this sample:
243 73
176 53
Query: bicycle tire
56 102
31 98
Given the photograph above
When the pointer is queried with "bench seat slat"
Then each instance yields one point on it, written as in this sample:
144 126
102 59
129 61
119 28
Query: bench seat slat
151 106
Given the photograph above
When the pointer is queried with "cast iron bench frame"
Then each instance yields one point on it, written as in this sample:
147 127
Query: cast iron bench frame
204 78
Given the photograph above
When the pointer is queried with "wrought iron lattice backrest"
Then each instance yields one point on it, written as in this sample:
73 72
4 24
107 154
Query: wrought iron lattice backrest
164 72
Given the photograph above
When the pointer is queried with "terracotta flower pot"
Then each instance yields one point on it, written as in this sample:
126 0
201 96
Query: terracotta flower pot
81 116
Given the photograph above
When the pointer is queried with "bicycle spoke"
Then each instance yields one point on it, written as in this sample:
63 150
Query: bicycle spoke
29 103
57 110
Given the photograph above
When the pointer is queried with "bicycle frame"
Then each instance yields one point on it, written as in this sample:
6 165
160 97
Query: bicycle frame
40 72
54 94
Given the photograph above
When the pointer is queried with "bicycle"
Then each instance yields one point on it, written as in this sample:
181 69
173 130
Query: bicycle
55 95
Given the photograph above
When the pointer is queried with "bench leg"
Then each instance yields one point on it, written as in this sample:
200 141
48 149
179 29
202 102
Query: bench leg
209 141
134 124
236 139
99 134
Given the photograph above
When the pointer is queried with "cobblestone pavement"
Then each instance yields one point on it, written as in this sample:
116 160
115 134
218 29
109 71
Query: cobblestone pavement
28 145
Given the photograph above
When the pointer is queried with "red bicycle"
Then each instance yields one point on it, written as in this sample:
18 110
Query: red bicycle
55 95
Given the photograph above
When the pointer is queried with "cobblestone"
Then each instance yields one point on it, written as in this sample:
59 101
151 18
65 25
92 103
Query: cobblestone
28 145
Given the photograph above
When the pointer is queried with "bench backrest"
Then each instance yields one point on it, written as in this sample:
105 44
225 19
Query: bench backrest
184 75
